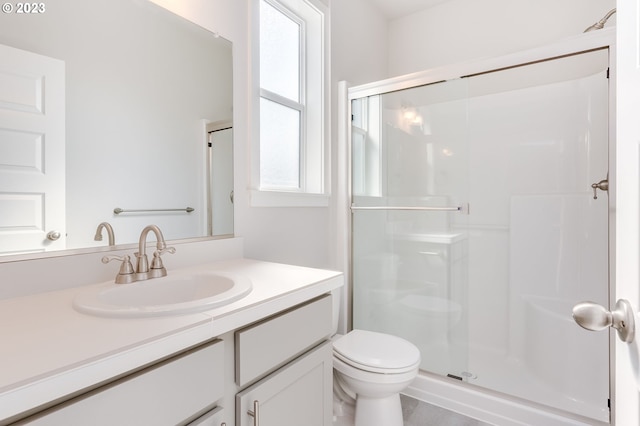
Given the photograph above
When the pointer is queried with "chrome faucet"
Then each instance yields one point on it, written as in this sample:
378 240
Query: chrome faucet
142 271
157 269
110 233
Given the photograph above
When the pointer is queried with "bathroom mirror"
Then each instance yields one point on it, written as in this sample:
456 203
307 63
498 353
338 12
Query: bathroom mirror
107 105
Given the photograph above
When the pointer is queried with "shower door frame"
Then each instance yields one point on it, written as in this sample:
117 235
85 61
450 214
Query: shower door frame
480 403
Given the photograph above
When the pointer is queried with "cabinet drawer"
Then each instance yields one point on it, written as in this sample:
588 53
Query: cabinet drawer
211 418
266 346
168 393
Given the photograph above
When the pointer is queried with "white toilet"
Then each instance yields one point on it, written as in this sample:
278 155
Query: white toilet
372 369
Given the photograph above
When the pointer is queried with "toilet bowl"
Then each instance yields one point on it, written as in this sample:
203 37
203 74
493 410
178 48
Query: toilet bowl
372 369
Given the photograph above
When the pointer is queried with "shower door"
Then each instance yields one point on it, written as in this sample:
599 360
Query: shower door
475 227
410 176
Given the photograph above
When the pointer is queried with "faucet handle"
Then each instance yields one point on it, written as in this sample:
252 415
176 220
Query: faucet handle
157 267
160 252
125 274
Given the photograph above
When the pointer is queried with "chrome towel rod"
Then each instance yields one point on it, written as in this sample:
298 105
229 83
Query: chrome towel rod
118 210
424 208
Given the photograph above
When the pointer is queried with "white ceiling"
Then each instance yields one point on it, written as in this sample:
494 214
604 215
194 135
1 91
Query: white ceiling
397 8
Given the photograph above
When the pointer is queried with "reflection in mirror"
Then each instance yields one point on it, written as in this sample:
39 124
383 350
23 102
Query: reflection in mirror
220 178
104 105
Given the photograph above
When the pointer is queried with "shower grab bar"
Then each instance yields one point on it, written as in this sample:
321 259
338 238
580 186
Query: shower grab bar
423 208
118 210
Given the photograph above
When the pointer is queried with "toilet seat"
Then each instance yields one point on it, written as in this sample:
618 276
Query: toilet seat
377 352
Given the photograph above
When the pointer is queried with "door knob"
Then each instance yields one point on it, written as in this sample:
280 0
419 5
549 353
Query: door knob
592 316
53 235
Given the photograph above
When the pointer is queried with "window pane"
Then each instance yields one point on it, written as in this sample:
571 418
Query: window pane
279 146
279 53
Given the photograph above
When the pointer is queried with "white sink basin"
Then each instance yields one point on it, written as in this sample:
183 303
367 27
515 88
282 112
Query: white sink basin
181 293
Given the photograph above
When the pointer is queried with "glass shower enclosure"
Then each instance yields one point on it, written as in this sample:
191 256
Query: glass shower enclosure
475 226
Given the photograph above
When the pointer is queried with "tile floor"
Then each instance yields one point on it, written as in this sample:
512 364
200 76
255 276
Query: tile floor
418 413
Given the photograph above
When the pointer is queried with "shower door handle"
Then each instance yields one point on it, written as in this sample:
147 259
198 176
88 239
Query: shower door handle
592 316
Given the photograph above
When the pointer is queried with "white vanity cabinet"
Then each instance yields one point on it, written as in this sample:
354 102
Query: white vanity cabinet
283 377
289 361
175 391
199 369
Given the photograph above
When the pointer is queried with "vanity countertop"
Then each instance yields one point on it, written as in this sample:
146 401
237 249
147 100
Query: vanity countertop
50 351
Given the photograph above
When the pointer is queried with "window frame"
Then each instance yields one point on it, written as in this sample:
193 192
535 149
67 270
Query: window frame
314 151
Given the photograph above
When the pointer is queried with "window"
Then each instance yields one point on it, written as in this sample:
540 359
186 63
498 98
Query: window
290 101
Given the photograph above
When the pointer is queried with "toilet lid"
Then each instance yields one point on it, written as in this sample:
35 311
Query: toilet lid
376 350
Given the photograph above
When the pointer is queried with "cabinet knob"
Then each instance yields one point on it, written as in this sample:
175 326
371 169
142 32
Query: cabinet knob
255 413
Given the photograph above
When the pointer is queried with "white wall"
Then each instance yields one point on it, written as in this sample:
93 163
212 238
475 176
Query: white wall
461 30
307 236
292 235
358 55
359 42
289 235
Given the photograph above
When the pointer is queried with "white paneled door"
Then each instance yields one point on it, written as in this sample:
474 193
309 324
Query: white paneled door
626 407
32 152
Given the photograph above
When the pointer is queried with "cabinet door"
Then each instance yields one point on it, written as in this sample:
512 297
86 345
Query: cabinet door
300 393
212 418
